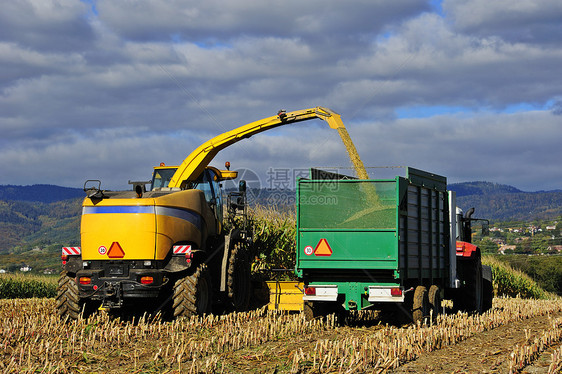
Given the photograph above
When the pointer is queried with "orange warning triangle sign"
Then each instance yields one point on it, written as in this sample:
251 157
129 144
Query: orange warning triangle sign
323 248
115 251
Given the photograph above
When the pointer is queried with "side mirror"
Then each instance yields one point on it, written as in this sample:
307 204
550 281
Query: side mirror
93 191
485 229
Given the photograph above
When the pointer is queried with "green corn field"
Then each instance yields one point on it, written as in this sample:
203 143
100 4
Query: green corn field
510 282
13 286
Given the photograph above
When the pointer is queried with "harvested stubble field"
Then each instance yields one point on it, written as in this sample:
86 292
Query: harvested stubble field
514 335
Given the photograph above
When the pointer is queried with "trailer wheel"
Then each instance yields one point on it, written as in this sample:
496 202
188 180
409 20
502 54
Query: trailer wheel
239 279
309 310
321 309
421 305
193 294
434 297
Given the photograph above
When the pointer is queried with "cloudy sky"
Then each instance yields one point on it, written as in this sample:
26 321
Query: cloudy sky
100 89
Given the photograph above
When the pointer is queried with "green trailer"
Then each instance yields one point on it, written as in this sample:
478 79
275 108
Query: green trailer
384 243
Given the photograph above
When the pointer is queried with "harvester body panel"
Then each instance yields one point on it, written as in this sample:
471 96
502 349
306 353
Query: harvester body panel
131 223
144 228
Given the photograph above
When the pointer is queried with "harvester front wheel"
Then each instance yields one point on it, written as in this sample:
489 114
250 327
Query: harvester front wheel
193 294
420 308
68 299
239 279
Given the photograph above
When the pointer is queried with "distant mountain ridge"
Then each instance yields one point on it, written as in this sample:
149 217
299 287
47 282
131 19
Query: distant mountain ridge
506 203
481 188
44 193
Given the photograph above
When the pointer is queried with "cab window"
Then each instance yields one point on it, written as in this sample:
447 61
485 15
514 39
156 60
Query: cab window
161 177
209 184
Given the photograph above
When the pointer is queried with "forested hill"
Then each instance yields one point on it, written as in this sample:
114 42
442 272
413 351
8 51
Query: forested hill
506 203
44 193
46 215
481 188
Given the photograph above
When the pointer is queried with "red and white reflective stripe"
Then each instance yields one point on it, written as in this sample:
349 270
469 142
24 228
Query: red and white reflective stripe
182 249
71 251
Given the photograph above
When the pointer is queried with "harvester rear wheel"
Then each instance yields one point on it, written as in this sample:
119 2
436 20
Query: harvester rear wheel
420 308
239 279
193 294
68 299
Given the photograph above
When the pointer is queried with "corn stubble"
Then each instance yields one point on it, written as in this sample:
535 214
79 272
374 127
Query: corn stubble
33 339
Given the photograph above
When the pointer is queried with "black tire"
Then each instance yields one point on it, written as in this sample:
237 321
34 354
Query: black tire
488 295
420 310
487 288
238 281
193 294
321 309
68 299
470 298
434 297
309 311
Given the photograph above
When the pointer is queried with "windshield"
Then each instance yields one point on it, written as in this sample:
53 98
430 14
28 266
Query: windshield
161 177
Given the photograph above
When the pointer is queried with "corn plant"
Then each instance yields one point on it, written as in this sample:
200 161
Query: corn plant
510 282
25 286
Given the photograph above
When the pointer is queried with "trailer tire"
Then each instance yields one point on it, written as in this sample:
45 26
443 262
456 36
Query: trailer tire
68 299
309 311
420 308
321 309
238 281
434 297
192 295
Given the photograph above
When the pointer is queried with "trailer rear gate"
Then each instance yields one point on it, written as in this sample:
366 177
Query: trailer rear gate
375 231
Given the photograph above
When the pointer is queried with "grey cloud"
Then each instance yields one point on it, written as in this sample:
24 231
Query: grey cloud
514 21
504 148
123 96
221 21
46 25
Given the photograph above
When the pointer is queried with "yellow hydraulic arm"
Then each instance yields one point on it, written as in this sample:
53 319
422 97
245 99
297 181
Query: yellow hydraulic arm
196 162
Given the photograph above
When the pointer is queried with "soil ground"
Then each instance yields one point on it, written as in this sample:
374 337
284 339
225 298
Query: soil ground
487 352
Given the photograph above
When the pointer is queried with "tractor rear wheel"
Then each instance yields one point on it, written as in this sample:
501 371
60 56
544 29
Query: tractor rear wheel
238 282
487 288
193 294
470 297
